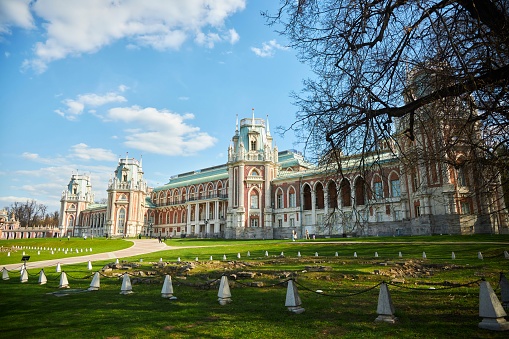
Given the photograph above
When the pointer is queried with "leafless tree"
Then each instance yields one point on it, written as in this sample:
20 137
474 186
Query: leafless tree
390 70
30 213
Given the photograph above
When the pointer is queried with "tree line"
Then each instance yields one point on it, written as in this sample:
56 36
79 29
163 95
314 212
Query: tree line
31 213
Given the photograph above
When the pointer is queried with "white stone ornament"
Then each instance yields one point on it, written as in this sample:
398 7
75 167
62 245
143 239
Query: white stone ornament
126 288
491 310
42 277
96 282
224 295
64 283
293 301
167 290
385 308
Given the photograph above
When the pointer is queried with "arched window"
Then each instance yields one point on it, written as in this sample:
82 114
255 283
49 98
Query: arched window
307 197
279 198
121 220
395 185
70 221
253 197
378 192
333 195
360 191
292 197
319 196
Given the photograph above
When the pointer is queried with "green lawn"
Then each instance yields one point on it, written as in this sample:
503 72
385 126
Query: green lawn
83 246
346 309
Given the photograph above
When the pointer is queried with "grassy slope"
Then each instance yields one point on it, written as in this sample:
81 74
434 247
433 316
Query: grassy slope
27 310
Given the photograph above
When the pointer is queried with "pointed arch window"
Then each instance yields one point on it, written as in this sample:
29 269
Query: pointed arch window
333 195
319 196
254 202
360 191
121 220
292 197
307 198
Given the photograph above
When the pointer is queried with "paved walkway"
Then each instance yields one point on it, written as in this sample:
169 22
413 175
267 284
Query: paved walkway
140 246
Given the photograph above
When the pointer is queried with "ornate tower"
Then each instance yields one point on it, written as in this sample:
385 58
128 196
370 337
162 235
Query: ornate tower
252 164
77 196
126 199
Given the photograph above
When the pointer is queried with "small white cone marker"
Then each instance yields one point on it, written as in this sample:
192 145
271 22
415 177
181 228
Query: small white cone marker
400 255
266 253
298 254
196 259
178 259
8 254
316 254
424 255
355 254
126 288
160 259
211 258
479 256
64 283
59 269
5 274
116 261
238 255
223 294
293 301
42 277
336 254
248 253
89 266
491 310
24 275
506 254
282 254
385 308
167 290
96 282
90 249
376 254
224 256
453 256
38 252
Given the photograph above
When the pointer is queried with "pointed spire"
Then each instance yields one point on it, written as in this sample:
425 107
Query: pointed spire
268 127
253 119
236 124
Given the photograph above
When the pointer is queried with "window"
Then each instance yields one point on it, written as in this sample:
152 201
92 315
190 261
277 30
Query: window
253 145
292 198
379 216
292 222
397 215
395 188
280 222
465 207
279 199
346 193
378 190
254 222
461 177
121 220
307 197
254 200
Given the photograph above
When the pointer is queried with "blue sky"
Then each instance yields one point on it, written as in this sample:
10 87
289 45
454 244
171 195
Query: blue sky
85 81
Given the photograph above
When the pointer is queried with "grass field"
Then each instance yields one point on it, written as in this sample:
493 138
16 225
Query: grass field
428 299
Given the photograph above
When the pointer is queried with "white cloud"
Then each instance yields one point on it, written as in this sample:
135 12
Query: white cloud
268 49
234 36
75 107
76 27
161 131
122 88
15 13
84 152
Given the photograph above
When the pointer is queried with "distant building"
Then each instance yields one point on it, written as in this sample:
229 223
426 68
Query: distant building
10 228
262 193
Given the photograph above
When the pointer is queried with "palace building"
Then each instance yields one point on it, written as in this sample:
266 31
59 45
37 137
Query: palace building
264 193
